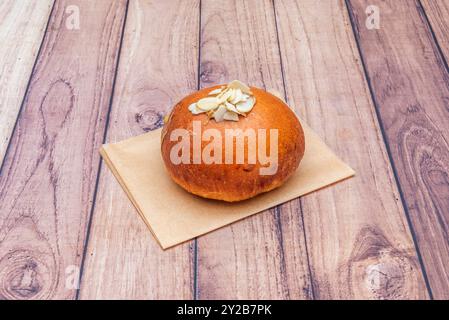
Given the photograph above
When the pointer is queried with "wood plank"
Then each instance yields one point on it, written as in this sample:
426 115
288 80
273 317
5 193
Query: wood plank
48 178
158 66
437 11
23 27
262 257
358 239
411 87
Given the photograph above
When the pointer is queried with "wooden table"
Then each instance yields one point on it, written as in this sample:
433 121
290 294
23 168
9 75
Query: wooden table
369 76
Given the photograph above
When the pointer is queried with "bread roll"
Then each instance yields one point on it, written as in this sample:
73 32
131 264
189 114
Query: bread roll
233 181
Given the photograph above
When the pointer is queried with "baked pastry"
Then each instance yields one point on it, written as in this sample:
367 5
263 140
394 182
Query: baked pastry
231 142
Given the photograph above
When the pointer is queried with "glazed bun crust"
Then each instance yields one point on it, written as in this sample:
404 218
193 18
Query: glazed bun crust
235 182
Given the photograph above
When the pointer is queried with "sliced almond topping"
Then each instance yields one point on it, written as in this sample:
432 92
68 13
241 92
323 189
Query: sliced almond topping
237 97
226 95
239 85
231 116
208 103
214 92
226 102
246 106
223 91
219 113
231 107
245 97
192 106
194 109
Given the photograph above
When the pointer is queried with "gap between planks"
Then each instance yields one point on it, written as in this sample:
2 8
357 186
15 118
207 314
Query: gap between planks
97 180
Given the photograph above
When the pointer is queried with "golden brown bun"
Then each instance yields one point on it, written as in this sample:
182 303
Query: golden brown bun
235 182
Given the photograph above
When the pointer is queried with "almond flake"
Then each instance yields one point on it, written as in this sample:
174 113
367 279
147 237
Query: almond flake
231 107
239 85
231 116
194 109
226 95
237 97
246 106
231 95
245 97
208 103
223 91
219 113
214 92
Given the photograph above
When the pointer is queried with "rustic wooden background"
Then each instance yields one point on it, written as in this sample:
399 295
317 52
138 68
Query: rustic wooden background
378 97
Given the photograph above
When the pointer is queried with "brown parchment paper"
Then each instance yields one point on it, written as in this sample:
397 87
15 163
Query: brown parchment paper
174 215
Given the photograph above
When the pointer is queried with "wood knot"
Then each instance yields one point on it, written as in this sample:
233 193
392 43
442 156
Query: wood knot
417 132
213 72
23 276
378 270
439 177
56 107
413 108
385 279
149 120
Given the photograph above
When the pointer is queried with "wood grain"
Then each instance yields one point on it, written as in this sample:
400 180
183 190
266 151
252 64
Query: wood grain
158 66
262 257
358 239
23 24
437 11
48 178
411 87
